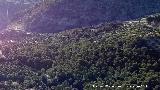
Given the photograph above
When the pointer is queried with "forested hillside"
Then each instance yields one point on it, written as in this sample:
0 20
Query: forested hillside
59 15
115 54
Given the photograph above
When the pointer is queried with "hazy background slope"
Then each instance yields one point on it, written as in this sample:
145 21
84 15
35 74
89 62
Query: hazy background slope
9 8
66 14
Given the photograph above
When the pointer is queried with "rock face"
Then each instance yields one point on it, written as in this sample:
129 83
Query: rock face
58 15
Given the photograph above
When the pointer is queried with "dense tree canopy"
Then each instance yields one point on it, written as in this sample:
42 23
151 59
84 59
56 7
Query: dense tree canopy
114 54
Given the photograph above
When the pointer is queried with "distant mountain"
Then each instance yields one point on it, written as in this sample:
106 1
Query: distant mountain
58 15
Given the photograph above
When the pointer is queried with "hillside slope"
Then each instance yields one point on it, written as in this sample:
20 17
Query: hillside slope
60 15
9 8
124 55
